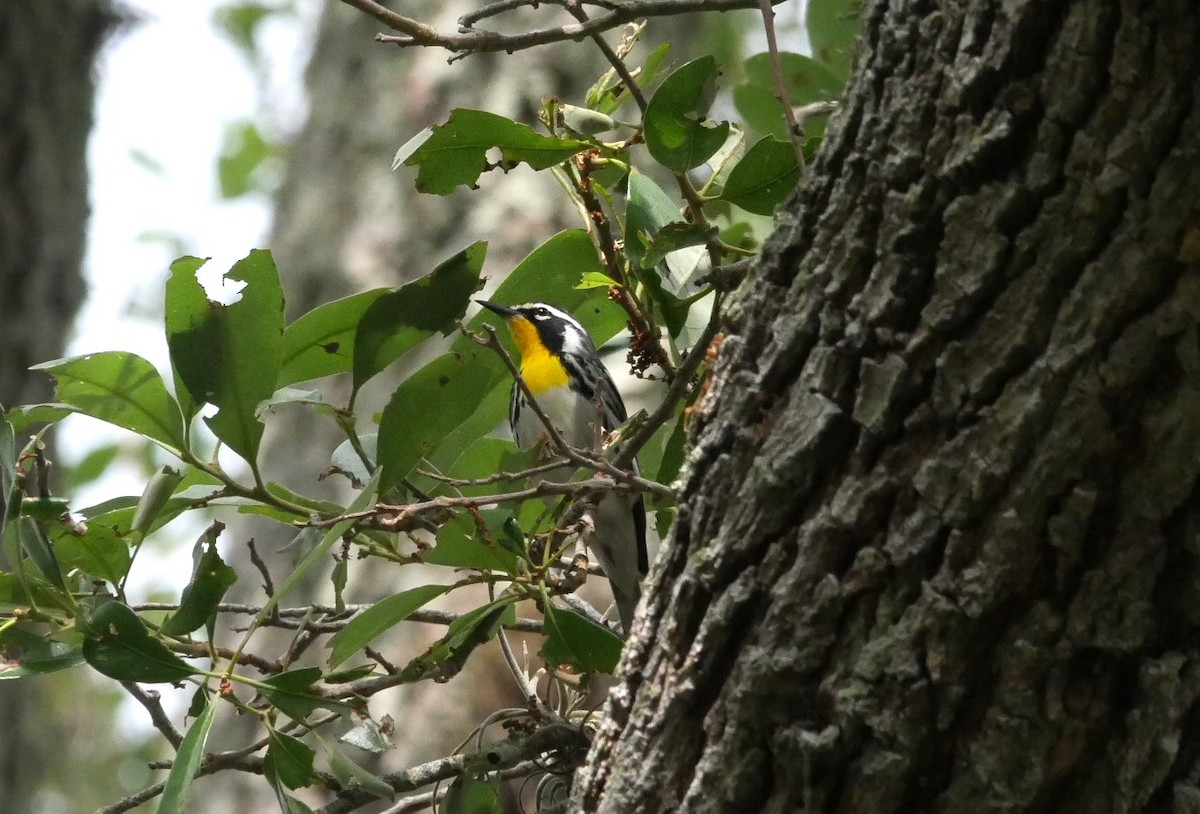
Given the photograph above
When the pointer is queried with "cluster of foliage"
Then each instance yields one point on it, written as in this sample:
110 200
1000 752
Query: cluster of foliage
430 484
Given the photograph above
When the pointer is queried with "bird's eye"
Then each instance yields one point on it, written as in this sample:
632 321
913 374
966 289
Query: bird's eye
541 313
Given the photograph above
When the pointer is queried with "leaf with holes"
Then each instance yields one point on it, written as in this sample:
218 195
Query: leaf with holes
455 153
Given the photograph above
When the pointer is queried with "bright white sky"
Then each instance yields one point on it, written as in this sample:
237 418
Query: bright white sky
168 86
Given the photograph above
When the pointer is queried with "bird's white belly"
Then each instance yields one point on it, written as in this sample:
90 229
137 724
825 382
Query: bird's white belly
573 417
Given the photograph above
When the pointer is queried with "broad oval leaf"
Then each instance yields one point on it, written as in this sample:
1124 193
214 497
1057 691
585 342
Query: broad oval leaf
122 389
579 642
117 644
455 153
288 692
459 546
321 342
228 355
397 321
833 27
384 614
805 80
764 177
428 405
93 548
290 760
27 654
676 133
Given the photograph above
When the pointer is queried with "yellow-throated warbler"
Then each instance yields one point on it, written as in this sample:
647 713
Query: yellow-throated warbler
560 365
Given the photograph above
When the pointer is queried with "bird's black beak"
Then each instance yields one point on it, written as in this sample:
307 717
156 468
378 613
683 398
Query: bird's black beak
502 310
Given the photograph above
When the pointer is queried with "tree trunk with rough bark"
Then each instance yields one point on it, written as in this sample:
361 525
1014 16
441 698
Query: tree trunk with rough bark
47 50
939 547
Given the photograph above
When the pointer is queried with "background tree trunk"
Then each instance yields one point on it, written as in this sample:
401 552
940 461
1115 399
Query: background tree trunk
939 548
47 50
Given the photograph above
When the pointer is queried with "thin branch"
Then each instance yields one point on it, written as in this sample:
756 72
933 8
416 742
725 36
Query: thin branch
795 129
401 781
499 477
424 615
404 514
134 800
252 765
203 650
397 22
614 59
268 586
471 40
152 701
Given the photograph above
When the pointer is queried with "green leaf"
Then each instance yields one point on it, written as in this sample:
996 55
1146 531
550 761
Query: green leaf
228 355
833 27
186 302
471 795
676 134
122 389
93 548
383 615
27 654
22 590
609 94
8 468
154 500
579 642
93 466
22 533
211 578
187 763
673 453
117 644
287 803
596 279
247 161
24 416
396 322
455 153
118 512
806 81
288 693
427 406
446 658
764 177
350 674
290 759
648 212
458 546
321 342
353 776
584 121
674 237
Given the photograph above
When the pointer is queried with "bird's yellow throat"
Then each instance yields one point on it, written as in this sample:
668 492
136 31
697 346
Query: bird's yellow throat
540 368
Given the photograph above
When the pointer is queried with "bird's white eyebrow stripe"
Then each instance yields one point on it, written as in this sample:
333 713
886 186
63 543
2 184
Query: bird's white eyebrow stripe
558 312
